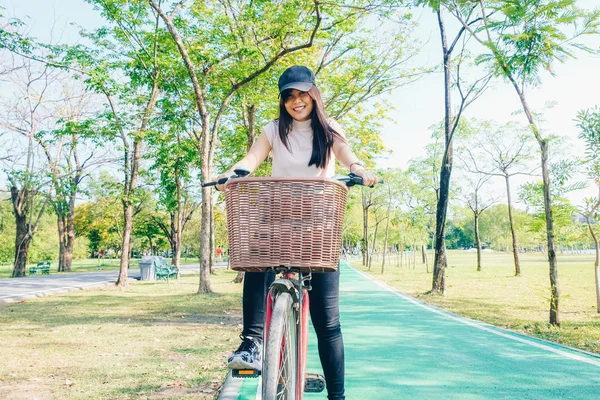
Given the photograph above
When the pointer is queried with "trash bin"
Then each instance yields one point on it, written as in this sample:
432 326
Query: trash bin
147 271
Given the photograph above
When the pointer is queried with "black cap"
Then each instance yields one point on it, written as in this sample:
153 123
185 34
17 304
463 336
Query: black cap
296 77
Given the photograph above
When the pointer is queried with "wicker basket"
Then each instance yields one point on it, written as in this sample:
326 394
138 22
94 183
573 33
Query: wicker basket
285 222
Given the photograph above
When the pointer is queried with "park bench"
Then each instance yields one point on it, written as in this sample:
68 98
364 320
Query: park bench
165 271
42 267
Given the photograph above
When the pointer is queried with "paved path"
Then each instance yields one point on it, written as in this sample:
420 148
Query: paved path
30 287
399 348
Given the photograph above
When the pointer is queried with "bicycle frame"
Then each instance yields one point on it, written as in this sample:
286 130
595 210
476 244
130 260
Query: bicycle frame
301 302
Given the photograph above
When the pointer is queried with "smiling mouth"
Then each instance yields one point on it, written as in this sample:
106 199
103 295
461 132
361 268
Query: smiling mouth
299 109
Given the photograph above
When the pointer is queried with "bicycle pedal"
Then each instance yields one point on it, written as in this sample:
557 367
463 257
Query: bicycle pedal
314 383
245 373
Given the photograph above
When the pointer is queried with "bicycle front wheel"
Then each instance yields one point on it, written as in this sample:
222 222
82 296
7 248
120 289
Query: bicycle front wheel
280 364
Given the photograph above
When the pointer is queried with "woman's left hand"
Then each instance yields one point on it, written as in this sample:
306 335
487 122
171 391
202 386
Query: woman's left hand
369 178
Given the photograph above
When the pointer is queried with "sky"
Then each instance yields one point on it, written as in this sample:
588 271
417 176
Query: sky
575 86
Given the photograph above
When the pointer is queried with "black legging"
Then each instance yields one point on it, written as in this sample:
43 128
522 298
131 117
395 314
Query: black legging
324 313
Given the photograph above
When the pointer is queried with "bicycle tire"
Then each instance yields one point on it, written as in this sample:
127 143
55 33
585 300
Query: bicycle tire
280 364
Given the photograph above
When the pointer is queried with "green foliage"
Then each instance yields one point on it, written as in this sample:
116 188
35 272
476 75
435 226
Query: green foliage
457 237
494 228
588 121
530 35
531 194
356 55
10 37
44 246
589 125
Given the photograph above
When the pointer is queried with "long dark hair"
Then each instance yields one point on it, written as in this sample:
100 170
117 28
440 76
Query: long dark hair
323 133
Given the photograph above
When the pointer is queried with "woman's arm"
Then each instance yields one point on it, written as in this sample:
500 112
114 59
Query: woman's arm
257 154
344 154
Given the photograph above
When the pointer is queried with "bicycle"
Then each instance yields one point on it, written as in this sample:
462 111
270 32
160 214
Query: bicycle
265 231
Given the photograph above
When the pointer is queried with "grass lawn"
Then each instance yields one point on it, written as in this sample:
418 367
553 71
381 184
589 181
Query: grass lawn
164 341
494 295
88 265
154 340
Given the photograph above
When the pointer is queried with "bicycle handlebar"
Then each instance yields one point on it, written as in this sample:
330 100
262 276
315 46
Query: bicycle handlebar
353 179
239 173
350 180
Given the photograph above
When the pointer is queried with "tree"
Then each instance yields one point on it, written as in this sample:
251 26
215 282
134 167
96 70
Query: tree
523 38
395 182
67 165
589 125
468 93
226 86
26 114
174 156
477 204
130 46
259 37
505 152
423 194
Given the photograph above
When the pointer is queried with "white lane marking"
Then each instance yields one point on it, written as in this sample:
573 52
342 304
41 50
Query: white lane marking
231 388
259 389
55 289
478 324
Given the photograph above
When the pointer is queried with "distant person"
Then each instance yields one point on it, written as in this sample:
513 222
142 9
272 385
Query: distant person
219 253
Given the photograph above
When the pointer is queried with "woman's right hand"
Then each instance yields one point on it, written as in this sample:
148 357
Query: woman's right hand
225 174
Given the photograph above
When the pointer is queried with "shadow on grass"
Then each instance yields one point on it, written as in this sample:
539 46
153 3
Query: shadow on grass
124 307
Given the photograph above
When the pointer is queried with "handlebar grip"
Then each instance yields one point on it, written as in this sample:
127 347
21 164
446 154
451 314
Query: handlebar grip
357 180
219 182
241 172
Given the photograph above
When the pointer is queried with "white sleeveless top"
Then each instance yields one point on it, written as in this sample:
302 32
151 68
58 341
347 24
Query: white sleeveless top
294 163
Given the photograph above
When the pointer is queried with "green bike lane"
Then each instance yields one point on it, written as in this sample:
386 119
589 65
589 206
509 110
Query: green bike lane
399 348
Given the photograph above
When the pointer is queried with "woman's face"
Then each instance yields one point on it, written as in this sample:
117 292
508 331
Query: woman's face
299 105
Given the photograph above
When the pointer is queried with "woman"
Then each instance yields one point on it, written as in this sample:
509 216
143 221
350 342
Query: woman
304 143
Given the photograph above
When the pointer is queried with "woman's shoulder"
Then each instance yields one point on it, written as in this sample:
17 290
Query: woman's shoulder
271 130
336 126
273 124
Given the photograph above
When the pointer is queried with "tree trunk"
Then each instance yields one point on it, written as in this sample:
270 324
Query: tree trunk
22 201
385 243
60 224
212 239
513 231
249 114
596 263
66 235
440 262
205 223
554 285
125 244
178 231
370 258
22 242
424 255
414 255
365 240
204 286
239 277
130 183
477 241
70 235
